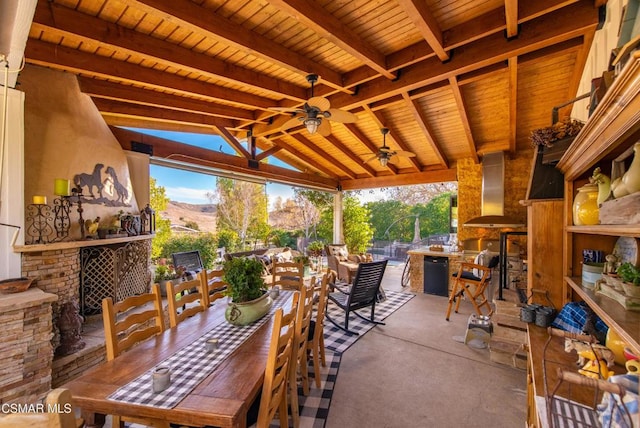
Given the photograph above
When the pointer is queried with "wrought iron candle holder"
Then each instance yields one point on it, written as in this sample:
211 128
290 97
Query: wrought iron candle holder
62 214
38 223
61 217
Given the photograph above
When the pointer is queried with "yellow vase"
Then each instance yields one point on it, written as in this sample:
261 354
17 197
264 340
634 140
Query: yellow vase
617 345
585 206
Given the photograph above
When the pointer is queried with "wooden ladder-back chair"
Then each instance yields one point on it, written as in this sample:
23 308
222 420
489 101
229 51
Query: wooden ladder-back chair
185 300
213 286
63 418
361 294
298 365
287 275
316 341
276 375
127 323
471 280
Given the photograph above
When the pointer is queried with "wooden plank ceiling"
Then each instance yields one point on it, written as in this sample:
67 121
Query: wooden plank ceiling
451 79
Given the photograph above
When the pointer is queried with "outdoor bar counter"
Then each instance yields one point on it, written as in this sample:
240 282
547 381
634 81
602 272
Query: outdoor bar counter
416 257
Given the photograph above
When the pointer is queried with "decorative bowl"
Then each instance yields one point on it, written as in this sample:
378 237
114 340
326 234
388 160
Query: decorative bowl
15 285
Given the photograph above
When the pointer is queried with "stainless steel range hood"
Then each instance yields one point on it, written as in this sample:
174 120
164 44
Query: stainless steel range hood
492 208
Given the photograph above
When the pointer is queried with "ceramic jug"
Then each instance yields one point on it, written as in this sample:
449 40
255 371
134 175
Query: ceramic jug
631 178
585 206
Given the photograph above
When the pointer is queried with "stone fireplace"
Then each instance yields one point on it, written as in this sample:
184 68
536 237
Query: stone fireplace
120 269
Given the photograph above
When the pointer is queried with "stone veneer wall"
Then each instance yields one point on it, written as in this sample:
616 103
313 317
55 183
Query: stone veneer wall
25 346
72 366
516 182
57 272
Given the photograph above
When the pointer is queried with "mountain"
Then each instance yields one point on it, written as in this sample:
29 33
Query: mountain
204 215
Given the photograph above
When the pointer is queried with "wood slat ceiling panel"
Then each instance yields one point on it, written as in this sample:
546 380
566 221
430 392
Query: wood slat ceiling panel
535 98
450 13
280 51
489 100
442 113
404 127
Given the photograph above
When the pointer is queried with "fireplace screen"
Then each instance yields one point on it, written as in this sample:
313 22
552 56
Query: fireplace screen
116 271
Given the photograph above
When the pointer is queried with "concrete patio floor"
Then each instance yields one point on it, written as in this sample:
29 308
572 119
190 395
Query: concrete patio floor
412 373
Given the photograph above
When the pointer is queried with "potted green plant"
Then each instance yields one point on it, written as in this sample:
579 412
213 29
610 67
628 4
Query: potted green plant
314 249
164 273
306 263
250 300
630 274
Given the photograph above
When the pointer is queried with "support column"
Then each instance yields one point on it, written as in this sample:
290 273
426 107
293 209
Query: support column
139 172
338 232
12 184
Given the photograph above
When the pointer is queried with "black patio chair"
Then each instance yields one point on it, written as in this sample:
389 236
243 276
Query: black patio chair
361 294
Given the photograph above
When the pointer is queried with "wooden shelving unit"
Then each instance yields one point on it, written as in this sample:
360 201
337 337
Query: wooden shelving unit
611 130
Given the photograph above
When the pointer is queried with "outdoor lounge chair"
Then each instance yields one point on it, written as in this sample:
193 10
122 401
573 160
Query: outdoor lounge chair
361 294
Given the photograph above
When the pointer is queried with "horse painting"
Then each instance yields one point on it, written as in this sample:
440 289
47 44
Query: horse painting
90 180
121 191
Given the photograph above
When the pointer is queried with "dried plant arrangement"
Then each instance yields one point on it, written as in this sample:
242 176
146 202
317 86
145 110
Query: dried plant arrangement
547 136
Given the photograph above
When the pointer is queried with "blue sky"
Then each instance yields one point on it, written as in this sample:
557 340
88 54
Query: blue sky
192 187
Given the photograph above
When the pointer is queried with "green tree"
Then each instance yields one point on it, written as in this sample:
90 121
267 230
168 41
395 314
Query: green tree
357 228
241 205
390 220
434 216
158 201
205 243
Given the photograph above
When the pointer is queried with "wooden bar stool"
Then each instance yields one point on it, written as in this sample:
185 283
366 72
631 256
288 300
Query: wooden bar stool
472 280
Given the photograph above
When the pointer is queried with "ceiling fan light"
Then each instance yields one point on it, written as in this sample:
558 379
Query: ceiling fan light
312 124
383 161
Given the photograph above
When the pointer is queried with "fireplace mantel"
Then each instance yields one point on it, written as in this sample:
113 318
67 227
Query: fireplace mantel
77 244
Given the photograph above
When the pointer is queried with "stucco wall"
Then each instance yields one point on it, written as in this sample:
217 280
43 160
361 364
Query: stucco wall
65 135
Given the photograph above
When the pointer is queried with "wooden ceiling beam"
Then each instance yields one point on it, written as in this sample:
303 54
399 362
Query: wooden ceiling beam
574 21
513 104
309 161
358 135
433 176
464 118
67 22
379 119
345 150
326 156
475 29
188 14
233 142
68 59
160 114
168 149
311 14
423 123
265 154
422 17
133 94
511 15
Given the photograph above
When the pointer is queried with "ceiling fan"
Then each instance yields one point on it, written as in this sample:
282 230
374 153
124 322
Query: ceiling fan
316 113
386 154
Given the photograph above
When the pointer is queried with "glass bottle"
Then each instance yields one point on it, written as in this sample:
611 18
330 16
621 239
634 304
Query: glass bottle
585 206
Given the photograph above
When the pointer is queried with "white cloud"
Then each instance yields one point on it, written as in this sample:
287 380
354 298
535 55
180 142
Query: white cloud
185 194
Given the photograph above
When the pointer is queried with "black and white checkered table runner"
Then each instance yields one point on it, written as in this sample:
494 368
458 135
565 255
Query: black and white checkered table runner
192 364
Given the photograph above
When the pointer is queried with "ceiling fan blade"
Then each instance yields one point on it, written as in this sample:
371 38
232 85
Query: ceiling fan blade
374 157
325 128
405 154
321 103
294 121
286 109
393 159
342 116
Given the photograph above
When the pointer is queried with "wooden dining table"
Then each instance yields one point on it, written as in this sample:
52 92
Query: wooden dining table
221 399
